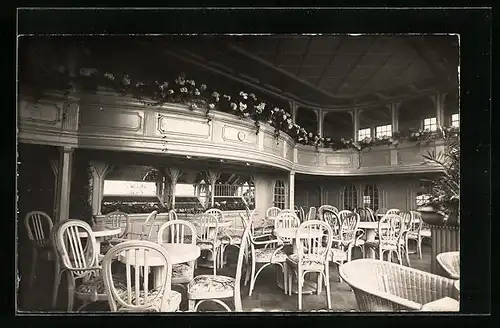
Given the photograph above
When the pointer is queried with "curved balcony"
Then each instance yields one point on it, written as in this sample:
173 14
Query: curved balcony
105 121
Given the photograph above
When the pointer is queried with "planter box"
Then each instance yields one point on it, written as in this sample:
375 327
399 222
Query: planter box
444 239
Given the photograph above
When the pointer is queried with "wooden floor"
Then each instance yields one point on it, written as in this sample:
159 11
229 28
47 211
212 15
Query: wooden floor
266 294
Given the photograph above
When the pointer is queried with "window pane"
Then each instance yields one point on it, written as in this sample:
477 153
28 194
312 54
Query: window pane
455 120
364 133
430 124
383 131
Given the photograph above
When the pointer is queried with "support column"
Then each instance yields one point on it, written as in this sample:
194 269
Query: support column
64 183
291 192
321 195
355 117
320 122
174 175
99 171
395 116
212 176
54 164
294 108
438 100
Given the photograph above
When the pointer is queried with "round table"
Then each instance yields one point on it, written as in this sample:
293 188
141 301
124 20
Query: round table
370 229
291 233
178 253
100 233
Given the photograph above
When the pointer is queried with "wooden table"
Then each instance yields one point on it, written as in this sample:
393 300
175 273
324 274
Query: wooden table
100 233
370 229
291 233
177 253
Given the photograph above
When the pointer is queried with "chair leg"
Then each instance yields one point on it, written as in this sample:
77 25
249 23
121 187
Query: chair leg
33 266
215 253
419 247
285 277
319 284
191 305
71 291
407 252
327 285
252 279
57 282
300 283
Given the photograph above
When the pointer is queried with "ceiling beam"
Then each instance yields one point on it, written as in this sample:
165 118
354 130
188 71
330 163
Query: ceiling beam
381 96
282 71
355 65
427 53
334 54
304 56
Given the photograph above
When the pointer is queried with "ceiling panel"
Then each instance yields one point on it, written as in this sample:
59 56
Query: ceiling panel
324 45
290 59
355 45
311 72
317 59
372 59
295 45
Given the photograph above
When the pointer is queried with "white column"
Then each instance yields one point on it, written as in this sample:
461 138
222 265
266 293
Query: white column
174 175
55 169
320 123
64 183
394 113
294 108
291 192
355 117
321 195
440 109
99 171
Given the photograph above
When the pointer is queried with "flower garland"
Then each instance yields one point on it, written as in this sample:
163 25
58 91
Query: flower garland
199 96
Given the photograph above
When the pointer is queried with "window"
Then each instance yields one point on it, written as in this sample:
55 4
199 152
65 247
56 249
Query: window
364 133
350 197
129 188
423 193
421 199
383 131
279 194
430 124
370 197
455 120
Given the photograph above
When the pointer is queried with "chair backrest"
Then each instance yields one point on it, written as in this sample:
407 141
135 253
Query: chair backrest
333 220
344 213
314 239
39 226
176 232
137 294
364 215
393 211
348 228
207 227
416 222
311 215
371 214
390 228
273 212
118 219
380 210
172 215
147 226
244 249
73 254
450 262
287 211
217 213
406 221
286 220
302 215
326 207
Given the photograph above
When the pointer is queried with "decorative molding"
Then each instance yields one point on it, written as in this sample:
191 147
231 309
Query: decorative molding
307 158
40 112
240 135
94 117
183 127
338 160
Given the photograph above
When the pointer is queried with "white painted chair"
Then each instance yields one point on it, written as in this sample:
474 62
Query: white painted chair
313 256
116 219
302 215
286 220
38 225
393 211
179 232
450 262
208 235
216 288
79 262
148 225
134 293
326 207
390 230
311 215
217 213
423 232
272 212
172 215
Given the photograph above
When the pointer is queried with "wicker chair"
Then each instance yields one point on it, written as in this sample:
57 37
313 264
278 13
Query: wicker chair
450 262
385 286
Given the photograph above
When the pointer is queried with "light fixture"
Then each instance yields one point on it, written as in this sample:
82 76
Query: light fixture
247 164
188 157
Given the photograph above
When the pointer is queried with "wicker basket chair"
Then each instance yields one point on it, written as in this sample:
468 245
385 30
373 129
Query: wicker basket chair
385 286
450 262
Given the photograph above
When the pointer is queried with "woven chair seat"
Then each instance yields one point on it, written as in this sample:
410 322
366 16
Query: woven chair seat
230 240
450 262
173 300
309 263
265 255
207 245
209 287
387 245
95 289
182 273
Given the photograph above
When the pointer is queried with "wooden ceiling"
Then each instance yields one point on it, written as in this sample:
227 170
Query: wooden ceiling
331 71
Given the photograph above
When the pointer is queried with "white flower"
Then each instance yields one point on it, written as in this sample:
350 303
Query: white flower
253 96
194 106
126 80
289 121
246 114
215 94
191 82
244 95
203 87
242 106
310 134
164 85
284 117
290 126
233 106
184 90
180 80
196 92
109 76
211 106
170 91
227 97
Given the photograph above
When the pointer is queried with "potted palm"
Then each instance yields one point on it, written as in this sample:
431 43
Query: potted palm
443 204
442 209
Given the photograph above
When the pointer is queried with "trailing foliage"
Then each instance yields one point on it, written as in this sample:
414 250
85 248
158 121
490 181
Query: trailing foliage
80 206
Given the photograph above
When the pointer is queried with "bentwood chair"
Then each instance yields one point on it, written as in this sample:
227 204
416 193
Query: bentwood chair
147 227
39 226
207 235
450 262
217 288
79 262
390 230
326 207
286 220
422 232
311 215
116 219
314 240
135 294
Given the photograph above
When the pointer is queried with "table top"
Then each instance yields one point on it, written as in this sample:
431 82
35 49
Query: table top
101 231
370 225
445 304
292 233
178 253
222 224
